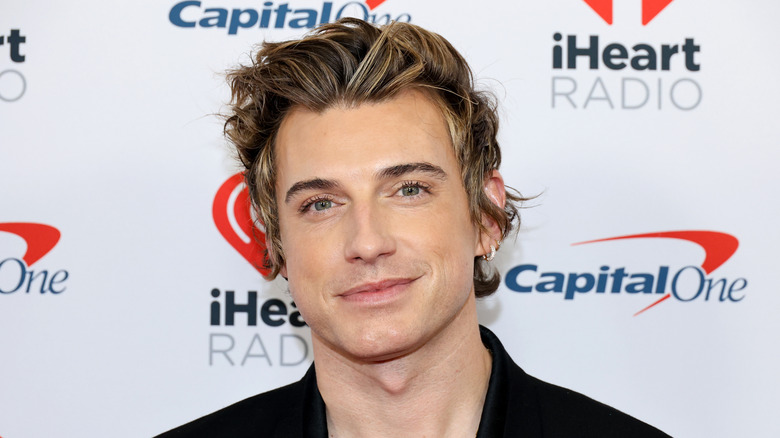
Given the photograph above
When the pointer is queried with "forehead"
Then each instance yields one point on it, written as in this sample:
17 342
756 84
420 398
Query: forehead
350 142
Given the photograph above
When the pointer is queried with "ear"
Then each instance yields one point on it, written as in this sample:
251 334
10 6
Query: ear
495 190
271 255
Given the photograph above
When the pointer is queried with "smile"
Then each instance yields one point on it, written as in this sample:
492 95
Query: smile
377 292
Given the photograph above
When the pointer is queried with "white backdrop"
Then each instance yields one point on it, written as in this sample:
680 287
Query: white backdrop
107 134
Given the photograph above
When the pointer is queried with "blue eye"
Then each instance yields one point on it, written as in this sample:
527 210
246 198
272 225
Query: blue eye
323 204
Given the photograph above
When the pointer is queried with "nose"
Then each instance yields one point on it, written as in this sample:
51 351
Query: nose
368 234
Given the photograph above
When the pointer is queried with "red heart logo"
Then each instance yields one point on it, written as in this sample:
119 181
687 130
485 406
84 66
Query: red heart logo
650 9
233 217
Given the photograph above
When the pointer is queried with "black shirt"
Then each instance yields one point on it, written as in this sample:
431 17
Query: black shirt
516 405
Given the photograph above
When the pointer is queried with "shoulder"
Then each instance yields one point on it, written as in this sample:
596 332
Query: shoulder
564 412
522 404
274 413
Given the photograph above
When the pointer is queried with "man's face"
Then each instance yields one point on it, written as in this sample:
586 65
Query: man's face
375 227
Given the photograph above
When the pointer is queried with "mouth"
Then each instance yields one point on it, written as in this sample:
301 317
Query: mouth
375 292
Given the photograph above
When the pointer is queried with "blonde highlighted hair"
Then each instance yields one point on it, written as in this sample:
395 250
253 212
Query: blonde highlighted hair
348 63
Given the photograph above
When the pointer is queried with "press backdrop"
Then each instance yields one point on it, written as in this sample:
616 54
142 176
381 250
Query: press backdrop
124 244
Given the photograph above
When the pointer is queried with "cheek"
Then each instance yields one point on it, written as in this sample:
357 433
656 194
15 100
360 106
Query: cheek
454 247
305 300
310 266
309 257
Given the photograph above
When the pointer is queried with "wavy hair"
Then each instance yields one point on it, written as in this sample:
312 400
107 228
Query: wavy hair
350 62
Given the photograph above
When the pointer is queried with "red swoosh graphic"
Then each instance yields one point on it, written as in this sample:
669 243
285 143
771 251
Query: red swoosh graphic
374 3
254 250
40 238
718 248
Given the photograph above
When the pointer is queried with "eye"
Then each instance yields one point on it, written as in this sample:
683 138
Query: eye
323 204
317 204
410 190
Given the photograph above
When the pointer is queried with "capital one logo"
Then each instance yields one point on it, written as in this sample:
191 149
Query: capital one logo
691 283
17 275
650 9
233 217
290 15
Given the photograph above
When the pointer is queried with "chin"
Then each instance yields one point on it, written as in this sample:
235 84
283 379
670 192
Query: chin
383 344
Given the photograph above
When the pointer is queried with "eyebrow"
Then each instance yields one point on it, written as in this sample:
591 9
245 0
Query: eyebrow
395 171
403 169
311 184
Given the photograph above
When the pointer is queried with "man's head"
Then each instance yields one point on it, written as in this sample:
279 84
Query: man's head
348 64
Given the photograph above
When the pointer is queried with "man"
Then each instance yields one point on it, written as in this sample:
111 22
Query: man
372 162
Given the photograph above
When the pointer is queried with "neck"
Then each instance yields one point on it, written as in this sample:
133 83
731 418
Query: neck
437 390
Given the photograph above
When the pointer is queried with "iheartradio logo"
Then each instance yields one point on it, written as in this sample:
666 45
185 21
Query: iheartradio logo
233 217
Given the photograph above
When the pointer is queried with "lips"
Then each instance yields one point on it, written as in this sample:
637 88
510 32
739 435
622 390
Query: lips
377 288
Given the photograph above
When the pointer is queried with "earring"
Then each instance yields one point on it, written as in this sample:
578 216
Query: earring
491 256
493 249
